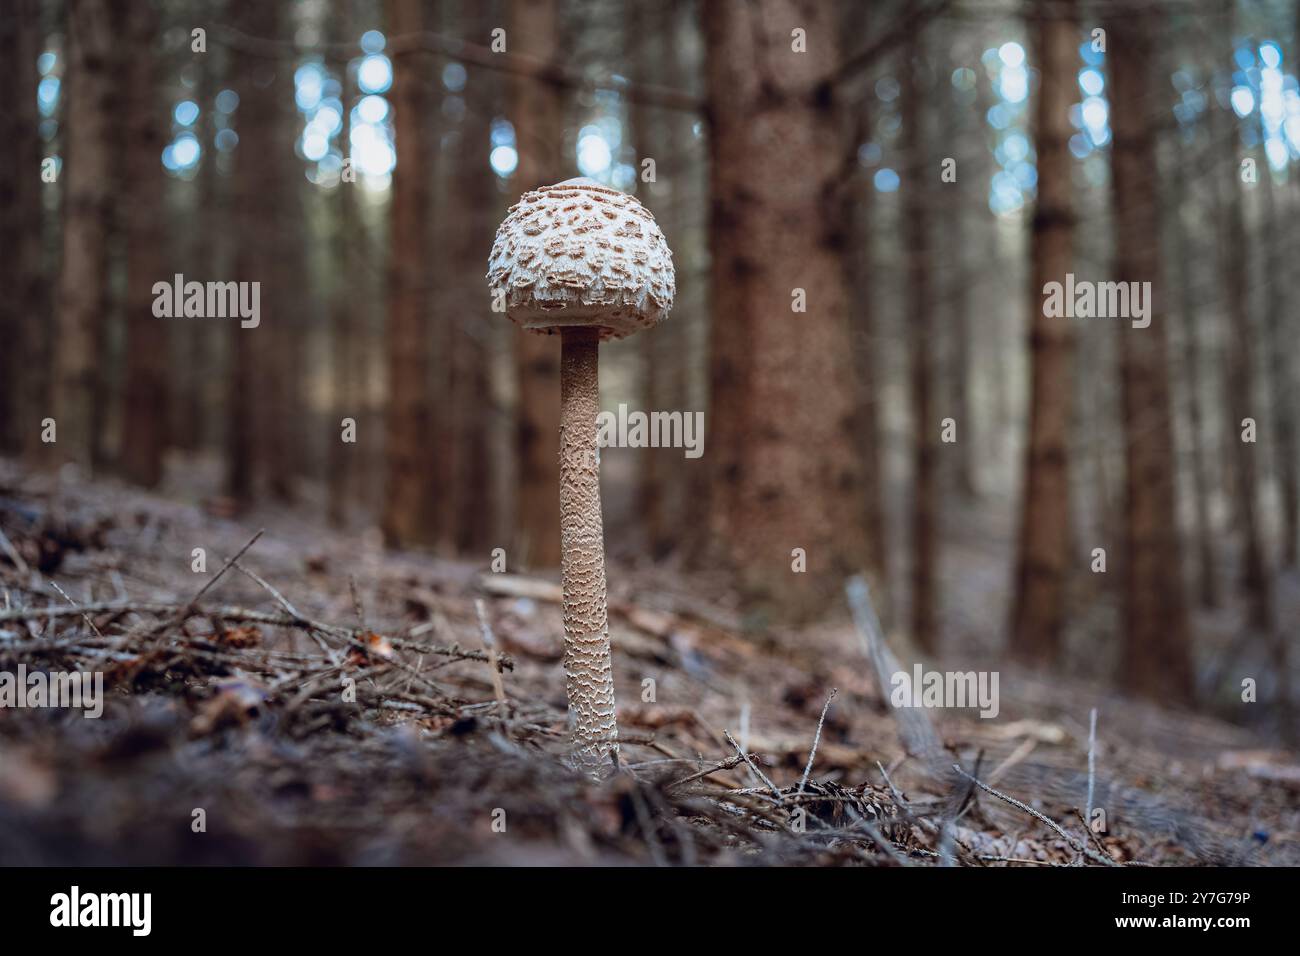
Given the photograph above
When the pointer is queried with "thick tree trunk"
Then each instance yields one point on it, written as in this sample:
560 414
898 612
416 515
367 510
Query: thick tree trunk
409 507
786 473
539 130
1044 556
144 420
91 85
923 329
1156 659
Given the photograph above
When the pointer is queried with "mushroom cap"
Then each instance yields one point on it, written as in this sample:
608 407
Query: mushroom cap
579 254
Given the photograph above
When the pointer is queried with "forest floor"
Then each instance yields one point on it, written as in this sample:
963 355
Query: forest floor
229 734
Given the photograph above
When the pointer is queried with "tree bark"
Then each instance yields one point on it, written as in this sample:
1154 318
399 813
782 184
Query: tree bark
1156 660
409 508
474 202
191 422
24 374
1207 575
1279 327
539 130
344 313
91 88
649 132
255 192
786 474
859 277
924 341
1239 379
1044 552
144 420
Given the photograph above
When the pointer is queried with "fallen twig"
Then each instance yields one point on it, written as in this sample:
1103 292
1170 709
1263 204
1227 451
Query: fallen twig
816 739
753 766
1040 817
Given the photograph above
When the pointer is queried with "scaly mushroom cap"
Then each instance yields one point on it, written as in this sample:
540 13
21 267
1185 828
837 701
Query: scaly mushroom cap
578 254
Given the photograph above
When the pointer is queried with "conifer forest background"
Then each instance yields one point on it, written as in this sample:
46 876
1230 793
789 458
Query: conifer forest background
981 363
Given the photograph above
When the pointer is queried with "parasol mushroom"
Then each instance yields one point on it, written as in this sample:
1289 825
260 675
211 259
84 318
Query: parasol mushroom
591 264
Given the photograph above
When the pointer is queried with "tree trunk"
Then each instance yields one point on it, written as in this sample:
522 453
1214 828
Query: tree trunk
344 314
1207 575
1156 659
859 277
255 187
923 329
83 281
474 203
409 506
1279 327
24 378
1239 378
786 476
1044 557
961 359
539 130
280 352
191 418
650 134
144 422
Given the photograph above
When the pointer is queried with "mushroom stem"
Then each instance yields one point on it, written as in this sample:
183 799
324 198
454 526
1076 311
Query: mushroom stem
589 678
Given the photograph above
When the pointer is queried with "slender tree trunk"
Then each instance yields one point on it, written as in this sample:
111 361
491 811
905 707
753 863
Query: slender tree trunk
31 293
859 278
964 126
91 85
256 192
279 370
679 349
923 328
409 506
475 206
279 361
24 379
786 474
648 130
344 314
961 359
1207 576
1239 378
1280 329
1044 557
538 118
191 421
144 422
1156 657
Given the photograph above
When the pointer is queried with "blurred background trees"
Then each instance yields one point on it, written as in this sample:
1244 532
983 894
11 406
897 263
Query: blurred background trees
865 202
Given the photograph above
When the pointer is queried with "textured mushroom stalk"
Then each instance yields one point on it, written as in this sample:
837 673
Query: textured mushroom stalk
589 678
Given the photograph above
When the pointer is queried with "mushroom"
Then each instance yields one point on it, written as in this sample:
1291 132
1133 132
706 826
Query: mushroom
590 263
